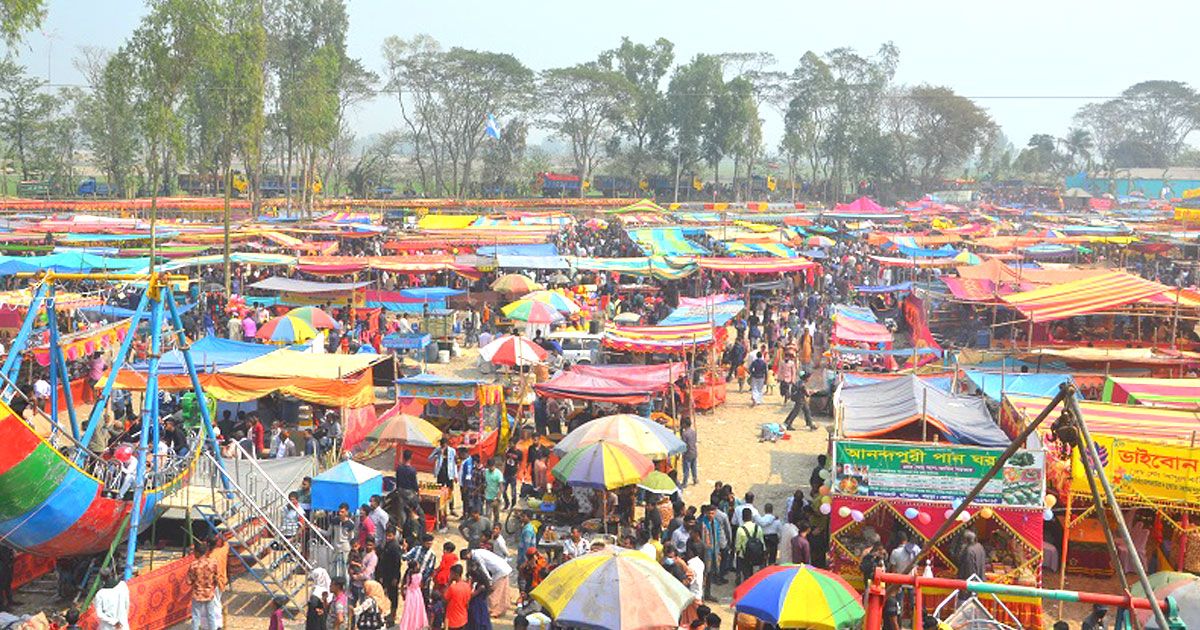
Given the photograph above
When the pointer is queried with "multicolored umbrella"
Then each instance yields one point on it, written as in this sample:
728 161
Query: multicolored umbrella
513 350
647 437
555 299
515 283
596 224
613 590
799 596
602 465
967 258
818 241
407 430
318 319
532 312
287 329
658 482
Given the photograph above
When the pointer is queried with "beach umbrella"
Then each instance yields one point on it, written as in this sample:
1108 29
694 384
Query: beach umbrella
799 596
532 312
318 319
406 430
286 329
645 436
596 224
613 590
515 283
513 350
658 482
818 241
558 301
602 465
968 258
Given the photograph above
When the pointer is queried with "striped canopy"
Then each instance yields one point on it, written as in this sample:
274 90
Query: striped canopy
1180 393
1083 296
603 465
1169 426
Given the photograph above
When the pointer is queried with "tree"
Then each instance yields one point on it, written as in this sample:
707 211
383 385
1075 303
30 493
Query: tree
583 104
24 110
107 118
307 59
643 68
1147 125
809 115
20 16
691 99
445 98
947 129
165 48
502 157
1078 145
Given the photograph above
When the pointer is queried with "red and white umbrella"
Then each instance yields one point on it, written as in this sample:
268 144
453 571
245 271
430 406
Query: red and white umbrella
513 350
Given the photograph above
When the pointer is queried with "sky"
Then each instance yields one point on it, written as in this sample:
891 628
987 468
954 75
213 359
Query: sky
1031 64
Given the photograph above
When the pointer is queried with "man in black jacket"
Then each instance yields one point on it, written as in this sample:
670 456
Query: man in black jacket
389 569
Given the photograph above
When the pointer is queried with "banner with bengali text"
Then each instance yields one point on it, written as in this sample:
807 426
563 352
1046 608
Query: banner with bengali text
1142 469
937 472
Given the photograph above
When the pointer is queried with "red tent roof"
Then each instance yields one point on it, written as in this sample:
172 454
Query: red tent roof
628 384
862 205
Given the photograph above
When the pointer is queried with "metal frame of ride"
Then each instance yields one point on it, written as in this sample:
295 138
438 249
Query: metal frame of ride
156 302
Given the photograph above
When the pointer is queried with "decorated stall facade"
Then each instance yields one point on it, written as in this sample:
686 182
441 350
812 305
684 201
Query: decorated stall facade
470 413
879 488
1150 457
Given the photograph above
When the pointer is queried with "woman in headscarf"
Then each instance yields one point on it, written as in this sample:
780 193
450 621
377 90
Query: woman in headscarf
478 612
370 611
320 583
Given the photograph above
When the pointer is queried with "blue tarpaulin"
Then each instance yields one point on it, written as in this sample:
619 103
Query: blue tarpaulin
430 294
407 341
209 354
854 312
719 313
903 286
68 262
1040 385
922 252
117 312
537 249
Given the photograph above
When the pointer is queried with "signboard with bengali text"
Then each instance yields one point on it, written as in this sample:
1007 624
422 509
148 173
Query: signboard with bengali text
936 472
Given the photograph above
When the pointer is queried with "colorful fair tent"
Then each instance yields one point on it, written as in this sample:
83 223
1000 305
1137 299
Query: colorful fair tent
995 385
349 482
1094 294
626 384
1179 393
662 339
892 406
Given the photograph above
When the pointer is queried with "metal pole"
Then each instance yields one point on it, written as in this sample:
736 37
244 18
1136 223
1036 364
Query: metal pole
97 414
12 363
149 407
201 397
58 365
1093 457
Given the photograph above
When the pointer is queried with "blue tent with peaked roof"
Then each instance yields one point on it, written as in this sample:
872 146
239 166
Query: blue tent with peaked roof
349 482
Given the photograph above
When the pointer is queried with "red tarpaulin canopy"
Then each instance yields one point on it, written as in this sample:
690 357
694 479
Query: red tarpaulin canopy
627 384
862 205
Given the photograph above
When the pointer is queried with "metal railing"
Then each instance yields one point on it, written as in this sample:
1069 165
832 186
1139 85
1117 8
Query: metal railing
262 489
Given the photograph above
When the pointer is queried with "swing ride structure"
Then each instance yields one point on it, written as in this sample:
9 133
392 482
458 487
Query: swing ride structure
58 497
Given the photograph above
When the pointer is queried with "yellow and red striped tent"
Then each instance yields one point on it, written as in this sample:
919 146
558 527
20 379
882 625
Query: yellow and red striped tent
1083 296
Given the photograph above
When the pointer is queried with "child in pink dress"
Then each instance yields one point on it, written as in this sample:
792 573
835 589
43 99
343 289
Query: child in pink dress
413 617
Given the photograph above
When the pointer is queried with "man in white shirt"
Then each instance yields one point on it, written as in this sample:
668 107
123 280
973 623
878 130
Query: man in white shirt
771 526
749 504
41 389
497 570
112 603
575 546
786 533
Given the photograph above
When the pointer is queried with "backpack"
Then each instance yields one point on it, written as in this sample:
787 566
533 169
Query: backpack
755 550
